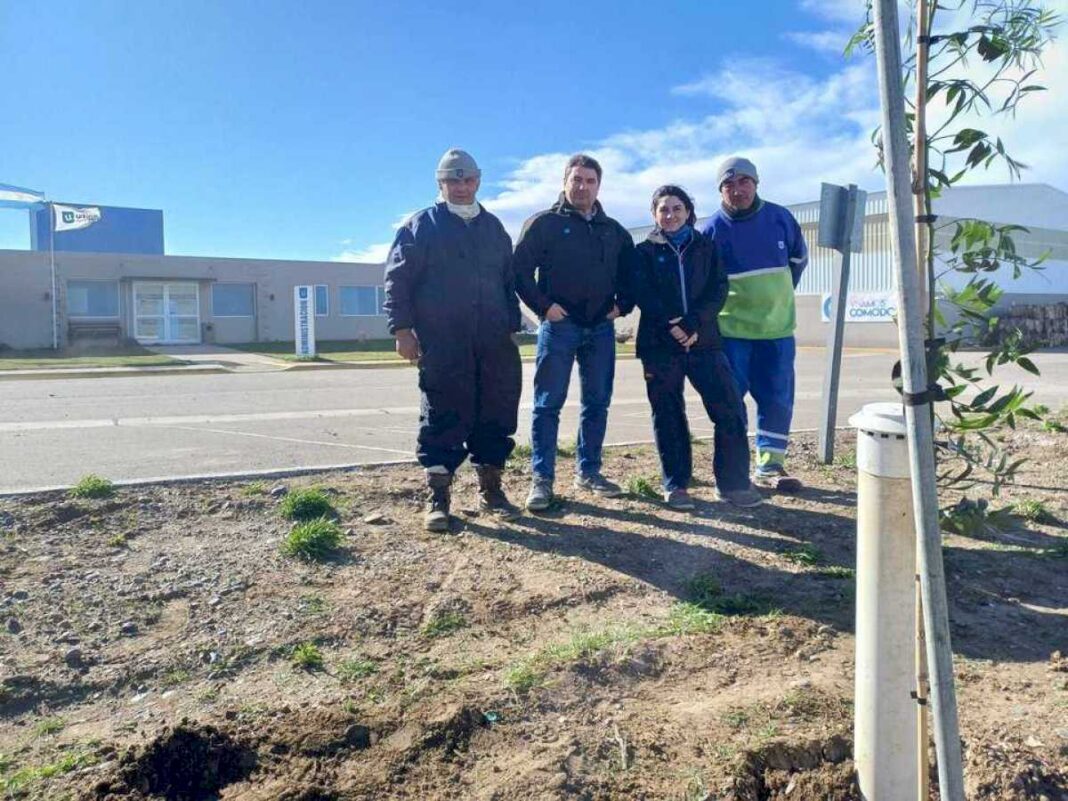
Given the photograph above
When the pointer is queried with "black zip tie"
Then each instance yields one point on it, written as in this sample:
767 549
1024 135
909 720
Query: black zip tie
930 40
926 218
916 398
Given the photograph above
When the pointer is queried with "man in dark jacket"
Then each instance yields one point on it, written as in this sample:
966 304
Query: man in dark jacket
451 304
571 264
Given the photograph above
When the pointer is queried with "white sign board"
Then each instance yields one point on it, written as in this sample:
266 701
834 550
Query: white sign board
304 320
864 307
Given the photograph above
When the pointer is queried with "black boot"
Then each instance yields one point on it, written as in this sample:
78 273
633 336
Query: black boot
436 517
491 498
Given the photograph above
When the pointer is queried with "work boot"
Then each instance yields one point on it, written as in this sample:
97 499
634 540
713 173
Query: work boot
436 517
774 476
491 498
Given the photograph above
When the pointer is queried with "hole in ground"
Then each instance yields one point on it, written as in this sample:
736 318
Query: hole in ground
186 763
817 770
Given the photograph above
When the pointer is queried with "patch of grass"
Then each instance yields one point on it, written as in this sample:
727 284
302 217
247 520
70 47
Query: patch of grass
129 355
48 726
120 540
172 678
314 540
520 453
92 486
532 671
19 782
691 618
705 593
356 668
307 656
254 489
643 487
1040 408
736 718
566 449
808 555
444 624
1033 511
837 571
847 459
311 605
306 504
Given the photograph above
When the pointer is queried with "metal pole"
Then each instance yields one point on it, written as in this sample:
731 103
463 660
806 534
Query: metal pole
840 292
52 263
917 403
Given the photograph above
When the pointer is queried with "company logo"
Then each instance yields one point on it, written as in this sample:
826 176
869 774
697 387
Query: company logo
303 293
782 245
68 217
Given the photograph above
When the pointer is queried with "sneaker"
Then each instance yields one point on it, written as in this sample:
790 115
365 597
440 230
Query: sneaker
746 498
679 499
541 495
774 476
595 482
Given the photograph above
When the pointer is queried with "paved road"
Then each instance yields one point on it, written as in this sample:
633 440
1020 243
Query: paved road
54 431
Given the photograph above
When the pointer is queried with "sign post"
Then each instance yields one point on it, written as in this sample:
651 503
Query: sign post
304 321
841 228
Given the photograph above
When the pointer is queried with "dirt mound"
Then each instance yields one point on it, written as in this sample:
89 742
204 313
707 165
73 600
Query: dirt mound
1002 772
818 770
184 763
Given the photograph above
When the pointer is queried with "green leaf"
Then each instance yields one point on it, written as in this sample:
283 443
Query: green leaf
1028 365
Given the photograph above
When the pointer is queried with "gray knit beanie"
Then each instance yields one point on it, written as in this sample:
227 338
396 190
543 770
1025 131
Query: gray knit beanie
457 163
734 166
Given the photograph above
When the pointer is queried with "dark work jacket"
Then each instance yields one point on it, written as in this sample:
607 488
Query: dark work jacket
581 265
449 279
696 292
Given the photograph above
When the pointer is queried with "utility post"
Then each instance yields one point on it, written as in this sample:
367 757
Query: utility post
841 228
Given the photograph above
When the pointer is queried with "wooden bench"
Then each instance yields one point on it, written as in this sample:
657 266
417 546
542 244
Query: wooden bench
81 330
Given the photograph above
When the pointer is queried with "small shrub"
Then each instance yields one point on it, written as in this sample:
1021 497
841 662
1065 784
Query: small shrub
443 624
315 540
1054 427
92 486
118 540
49 726
847 459
307 656
703 589
520 453
307 504
974 518
691 618
642 487
254 488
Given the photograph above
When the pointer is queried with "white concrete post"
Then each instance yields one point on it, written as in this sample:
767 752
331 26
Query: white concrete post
884 727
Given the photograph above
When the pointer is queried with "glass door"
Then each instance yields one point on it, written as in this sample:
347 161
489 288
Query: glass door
166 312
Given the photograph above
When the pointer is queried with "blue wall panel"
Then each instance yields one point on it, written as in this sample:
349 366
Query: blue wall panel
119 230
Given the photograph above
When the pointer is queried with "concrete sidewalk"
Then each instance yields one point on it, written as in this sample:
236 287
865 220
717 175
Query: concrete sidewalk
235 360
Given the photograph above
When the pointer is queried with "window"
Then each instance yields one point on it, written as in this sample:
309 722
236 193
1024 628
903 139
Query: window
322 300
233 300
93 298
362 301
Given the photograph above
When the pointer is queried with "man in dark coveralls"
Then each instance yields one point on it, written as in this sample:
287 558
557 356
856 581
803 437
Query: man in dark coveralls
451 304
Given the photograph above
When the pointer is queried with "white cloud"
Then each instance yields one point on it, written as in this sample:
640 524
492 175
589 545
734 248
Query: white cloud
372 254
798 129
831 43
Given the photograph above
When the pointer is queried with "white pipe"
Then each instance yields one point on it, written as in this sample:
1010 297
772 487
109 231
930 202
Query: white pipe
52 263
884 727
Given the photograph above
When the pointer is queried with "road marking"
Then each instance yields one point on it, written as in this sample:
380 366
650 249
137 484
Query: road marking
347 445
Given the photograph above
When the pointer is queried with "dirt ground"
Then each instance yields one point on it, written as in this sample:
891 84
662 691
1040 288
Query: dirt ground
610 649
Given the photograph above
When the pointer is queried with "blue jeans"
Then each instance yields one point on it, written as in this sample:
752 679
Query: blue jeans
764 368
559 344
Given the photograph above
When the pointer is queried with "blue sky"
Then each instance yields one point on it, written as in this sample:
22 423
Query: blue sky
308 130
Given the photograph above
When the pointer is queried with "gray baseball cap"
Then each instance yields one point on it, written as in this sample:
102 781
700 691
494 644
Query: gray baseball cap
457 163
736 165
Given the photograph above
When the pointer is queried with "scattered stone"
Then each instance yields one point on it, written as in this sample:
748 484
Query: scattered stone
375 518
20 595
279 491
128 629
69 637
215 600
7 520
74 658
13 625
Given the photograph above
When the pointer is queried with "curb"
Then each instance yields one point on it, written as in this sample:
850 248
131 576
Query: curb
289 472
109 372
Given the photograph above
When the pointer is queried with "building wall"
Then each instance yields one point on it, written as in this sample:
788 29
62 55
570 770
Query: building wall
119 230
25 299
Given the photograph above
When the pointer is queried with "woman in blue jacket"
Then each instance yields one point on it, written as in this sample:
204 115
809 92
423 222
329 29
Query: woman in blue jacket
680 287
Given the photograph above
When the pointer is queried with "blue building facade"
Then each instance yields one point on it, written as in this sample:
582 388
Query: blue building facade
119 230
